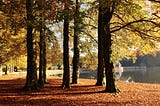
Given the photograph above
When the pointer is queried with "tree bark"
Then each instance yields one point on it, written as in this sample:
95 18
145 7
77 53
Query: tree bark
110 80
66 70
42 63
107 42
31 80
42 45
75 61
100 70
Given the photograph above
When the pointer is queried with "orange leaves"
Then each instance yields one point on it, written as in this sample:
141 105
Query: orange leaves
82 94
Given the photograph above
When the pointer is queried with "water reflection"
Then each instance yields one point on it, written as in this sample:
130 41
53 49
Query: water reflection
152 75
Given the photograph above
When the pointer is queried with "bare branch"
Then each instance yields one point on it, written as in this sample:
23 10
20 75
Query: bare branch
137 21
155 14
119 17
156 1
142 34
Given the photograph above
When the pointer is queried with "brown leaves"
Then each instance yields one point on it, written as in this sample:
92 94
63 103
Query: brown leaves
85 93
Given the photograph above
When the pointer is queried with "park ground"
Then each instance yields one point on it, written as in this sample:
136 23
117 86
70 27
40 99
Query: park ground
82 94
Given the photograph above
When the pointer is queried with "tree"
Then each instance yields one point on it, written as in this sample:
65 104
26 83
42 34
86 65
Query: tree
75 60
108 9
135 30
12 30
66 72
31 80
156 1
15 12
42 45
100 70
54 54
124 24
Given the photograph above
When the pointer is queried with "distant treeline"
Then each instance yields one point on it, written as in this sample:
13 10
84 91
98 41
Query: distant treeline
149 60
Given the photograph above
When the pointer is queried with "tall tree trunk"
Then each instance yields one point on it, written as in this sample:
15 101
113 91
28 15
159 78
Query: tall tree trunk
66 70
100 70
31 80
42 63
42 45
75 61
107 41
110 80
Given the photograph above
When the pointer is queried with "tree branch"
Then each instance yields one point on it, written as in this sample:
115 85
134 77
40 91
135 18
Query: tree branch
137 21
143 34
155 14
90 36
156 1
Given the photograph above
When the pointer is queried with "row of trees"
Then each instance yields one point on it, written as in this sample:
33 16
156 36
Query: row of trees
125 29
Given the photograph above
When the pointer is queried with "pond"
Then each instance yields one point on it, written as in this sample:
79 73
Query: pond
152 75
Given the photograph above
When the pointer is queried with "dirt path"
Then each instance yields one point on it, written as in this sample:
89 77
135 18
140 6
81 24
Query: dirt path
83 94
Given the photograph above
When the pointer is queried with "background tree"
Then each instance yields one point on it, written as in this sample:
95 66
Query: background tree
54 54
133 26
88 34
42 58
12 30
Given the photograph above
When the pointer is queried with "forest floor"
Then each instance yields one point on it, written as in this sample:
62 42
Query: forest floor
82 94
